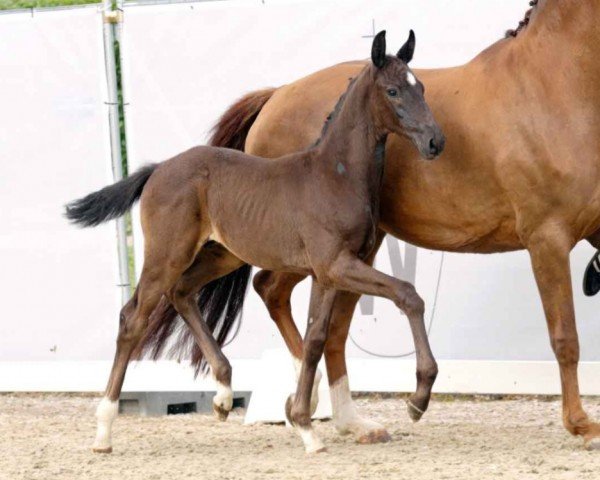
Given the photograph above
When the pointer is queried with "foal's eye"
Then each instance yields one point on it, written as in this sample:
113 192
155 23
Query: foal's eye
392 92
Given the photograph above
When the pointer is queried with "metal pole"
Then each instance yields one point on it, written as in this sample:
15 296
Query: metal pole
110 19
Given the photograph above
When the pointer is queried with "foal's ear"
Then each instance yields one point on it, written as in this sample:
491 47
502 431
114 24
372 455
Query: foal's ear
378 50
408 49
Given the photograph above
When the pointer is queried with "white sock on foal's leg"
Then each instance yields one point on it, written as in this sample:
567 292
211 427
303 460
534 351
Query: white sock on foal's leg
106 413
346 418
224 396
222 401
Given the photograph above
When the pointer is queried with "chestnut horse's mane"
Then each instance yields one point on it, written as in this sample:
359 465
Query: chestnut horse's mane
523 23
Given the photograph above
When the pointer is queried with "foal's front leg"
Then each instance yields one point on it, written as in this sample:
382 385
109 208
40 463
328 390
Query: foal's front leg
352 274
298 407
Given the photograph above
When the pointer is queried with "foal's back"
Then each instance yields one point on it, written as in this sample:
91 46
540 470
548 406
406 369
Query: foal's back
249 204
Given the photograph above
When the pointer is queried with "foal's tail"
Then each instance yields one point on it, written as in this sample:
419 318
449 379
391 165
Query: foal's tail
110 202
220 301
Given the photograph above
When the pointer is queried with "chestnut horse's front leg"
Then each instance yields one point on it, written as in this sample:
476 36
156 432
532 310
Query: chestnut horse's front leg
275 290
549 250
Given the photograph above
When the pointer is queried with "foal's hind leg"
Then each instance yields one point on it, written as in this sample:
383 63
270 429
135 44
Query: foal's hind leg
163 264
133 321
211 263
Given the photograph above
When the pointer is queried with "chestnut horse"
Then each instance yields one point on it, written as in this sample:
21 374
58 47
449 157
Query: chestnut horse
521 171
309 213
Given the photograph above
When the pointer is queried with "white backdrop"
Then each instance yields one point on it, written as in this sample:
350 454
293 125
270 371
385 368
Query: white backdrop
60 301
184 65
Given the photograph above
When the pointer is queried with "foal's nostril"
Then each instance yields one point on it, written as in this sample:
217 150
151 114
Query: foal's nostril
433 147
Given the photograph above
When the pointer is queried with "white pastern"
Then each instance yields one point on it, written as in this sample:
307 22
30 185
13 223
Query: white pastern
345 416
106 413
312 443
410 78
224 397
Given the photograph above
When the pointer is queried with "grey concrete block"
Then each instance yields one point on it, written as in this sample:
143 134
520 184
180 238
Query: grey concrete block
170 403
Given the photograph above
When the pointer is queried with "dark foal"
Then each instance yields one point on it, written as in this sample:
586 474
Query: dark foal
207 210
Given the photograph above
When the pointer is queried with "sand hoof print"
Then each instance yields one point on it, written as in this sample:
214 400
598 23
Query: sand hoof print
102 449
373 437
592 444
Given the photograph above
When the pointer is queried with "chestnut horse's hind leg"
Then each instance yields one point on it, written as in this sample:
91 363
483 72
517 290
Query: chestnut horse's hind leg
298 407
549 252
211 263
275 290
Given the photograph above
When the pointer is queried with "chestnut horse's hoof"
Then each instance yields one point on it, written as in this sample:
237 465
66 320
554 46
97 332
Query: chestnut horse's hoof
414 412
592 443
288 409
102 449
220 412
591 277
375 436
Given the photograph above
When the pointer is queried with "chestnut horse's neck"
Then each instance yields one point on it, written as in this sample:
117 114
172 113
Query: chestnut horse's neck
353 142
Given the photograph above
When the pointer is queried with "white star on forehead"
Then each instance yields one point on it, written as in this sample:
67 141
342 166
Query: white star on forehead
410 78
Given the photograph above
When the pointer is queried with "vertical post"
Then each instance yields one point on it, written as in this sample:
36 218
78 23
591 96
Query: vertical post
111 18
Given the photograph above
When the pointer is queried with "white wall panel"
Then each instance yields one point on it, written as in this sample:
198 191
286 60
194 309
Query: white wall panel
57 283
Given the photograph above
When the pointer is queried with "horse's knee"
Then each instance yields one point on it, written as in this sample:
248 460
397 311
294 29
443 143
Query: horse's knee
409 300
566 349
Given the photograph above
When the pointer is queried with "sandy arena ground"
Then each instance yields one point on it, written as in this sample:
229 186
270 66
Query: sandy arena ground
49 436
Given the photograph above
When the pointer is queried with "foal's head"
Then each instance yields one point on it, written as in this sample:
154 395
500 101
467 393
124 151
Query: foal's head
397 100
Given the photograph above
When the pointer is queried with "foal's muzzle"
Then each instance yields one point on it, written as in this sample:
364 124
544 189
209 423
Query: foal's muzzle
436 144
430 142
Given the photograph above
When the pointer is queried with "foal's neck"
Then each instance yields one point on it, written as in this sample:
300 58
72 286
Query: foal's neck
353 144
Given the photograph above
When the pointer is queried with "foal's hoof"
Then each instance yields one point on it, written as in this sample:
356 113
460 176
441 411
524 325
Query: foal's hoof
374 436
220 412
414 412
102 449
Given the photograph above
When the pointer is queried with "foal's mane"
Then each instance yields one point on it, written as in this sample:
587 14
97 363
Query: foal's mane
523 23
336 110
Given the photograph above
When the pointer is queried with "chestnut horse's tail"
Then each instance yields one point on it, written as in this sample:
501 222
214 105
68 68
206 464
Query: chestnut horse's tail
220 301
